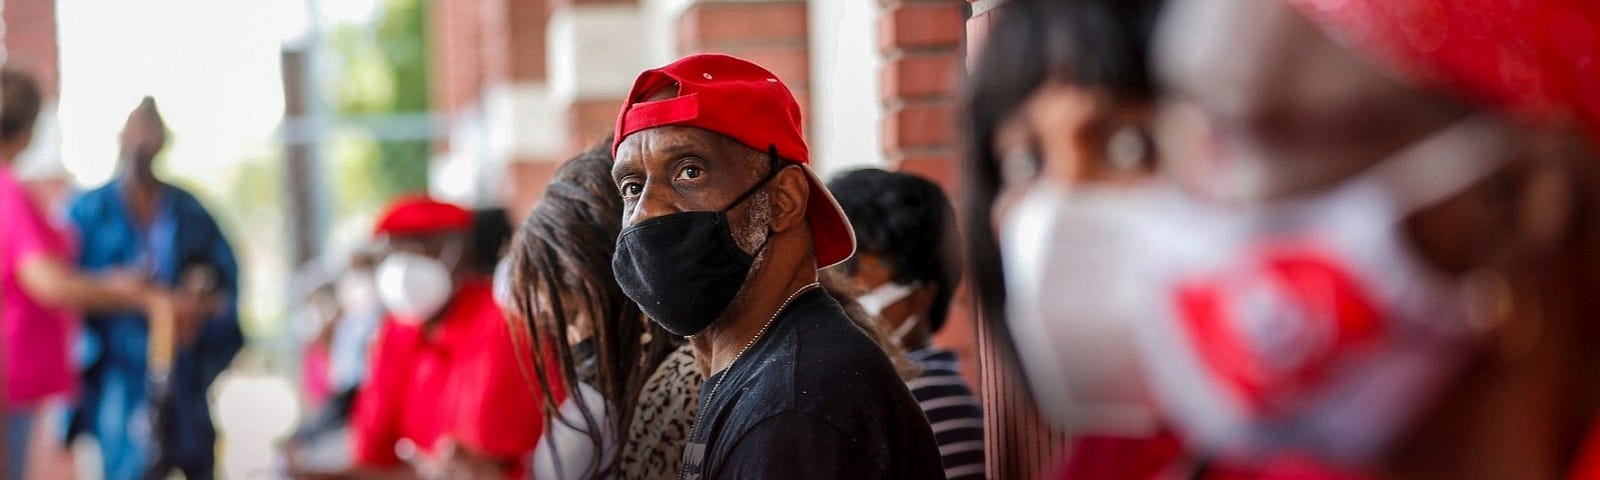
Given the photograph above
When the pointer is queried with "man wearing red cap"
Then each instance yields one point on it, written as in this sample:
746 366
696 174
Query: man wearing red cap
446 394
725 226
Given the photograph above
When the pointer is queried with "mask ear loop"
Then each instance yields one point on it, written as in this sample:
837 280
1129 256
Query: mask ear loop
454 251
1444 164
772 172
776 165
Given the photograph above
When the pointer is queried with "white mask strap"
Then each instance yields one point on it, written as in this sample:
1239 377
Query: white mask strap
883 296
453 251
899 334
1445 163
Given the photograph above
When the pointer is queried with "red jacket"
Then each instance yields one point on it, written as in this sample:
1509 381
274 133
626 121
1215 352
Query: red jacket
463 379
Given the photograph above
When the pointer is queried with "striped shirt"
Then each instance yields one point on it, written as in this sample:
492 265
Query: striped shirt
952 410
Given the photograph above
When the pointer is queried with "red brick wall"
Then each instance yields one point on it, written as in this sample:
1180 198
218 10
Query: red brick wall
526 21
563 3
459 70
920 41
526 180
592 120
30 41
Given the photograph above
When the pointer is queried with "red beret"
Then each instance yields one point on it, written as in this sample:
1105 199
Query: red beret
737 98
1537 60
422 215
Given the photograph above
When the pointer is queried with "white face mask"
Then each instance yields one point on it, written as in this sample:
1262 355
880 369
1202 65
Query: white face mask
1306 325
1071 300
502 286
412 287
876 300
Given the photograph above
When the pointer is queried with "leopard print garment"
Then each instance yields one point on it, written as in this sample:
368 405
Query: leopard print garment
661 420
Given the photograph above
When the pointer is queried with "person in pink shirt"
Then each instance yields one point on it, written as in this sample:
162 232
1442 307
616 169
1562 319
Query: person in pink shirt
40 290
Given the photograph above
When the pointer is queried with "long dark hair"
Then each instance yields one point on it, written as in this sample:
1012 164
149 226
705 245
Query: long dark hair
1098 45
560 272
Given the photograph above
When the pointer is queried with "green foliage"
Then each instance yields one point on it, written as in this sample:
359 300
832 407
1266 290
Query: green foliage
251 212
384 71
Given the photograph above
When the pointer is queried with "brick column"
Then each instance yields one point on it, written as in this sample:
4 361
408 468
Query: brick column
920 41
30 42
31 45
517 101
457 56
597 47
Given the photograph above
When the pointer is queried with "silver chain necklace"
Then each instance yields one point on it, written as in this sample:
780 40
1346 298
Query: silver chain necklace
710 397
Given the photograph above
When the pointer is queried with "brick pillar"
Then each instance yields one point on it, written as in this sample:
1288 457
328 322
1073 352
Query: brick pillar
457 55
30 42
920 41
31 46
517 101
767 32
597 48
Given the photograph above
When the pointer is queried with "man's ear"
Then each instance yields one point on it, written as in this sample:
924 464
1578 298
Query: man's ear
789 198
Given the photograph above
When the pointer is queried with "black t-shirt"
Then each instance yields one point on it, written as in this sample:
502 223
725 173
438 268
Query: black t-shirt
813 398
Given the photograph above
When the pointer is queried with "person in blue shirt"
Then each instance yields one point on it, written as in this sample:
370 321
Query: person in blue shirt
138 225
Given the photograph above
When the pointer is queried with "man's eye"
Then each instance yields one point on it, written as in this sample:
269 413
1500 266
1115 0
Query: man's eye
689 173
631 189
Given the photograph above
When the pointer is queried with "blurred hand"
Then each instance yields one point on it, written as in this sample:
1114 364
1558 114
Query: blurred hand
194 309
458 463
126 280
175 320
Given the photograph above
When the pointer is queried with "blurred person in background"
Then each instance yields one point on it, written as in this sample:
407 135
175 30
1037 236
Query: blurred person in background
317 315
908 261
446 393
1059 95
724 230
43 289
360 314
630 376
844 291
1417 230
1343 267
139 225
490 237
354 314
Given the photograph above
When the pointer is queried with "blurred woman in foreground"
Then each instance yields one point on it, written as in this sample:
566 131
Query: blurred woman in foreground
1058 95
1412 218
1336 268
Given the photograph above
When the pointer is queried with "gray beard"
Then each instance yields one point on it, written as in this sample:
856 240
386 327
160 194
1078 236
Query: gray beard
757 220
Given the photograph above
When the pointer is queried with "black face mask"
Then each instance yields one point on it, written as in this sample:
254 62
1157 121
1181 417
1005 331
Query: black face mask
684 269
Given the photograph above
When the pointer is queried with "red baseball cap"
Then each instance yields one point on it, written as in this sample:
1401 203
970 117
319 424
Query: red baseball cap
1536 60
742 100
420 215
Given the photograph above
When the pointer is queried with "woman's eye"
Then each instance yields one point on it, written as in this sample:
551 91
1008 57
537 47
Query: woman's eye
1128 150
689 173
